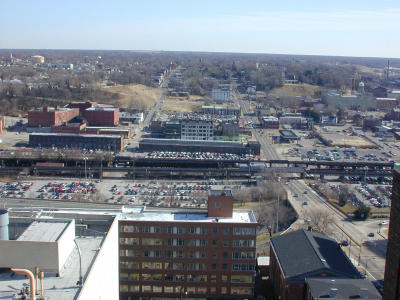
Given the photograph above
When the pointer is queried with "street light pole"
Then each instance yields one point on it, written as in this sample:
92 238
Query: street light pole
277 209
85 158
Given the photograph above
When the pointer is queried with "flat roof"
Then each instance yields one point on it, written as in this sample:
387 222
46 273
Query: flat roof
44 230
220 193
63 287
77 135
101 108
238 216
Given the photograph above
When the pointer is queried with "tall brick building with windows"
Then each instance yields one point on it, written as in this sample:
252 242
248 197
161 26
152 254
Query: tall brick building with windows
392 269
170 255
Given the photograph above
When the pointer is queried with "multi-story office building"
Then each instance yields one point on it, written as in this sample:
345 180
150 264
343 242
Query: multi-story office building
165 254
197 130
392 269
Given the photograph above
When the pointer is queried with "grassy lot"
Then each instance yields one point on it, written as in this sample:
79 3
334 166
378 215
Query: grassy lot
135 95
301 89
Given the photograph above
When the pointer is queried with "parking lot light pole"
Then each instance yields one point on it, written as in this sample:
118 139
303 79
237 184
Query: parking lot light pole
365 175
85 159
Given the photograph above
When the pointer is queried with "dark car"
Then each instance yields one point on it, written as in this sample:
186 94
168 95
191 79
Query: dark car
345 243
371 234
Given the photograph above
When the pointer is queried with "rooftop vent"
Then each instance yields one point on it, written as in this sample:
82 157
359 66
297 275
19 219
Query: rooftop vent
333 293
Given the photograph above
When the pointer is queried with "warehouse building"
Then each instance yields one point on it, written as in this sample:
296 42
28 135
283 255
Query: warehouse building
149 145
51 116
81 141
102 116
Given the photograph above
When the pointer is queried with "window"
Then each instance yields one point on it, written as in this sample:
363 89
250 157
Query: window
214 256
213 278
224 290
241 291
147 288
225 243
157 289
242 279
244 231
225 231
124 288
129 265
243 243
179 278
151 242
204 230
130 228
169 254
129 241
225 255
213 290
218 204
129 253
213 266
224 278
215 230
168 289
134 288
224 267
214 243
152 265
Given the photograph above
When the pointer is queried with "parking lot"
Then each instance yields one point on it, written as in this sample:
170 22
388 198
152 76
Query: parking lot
152 193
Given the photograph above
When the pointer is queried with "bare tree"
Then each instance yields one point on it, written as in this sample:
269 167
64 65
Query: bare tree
266 217
319 220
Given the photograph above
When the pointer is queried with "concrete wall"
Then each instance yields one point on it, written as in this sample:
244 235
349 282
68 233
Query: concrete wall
65 244
28 255
102 282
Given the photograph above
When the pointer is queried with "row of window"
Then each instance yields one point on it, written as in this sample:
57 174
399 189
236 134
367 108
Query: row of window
181 278
180 290
190 230
189 254
182 266
181 242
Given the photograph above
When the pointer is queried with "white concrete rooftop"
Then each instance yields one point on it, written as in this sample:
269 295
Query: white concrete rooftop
44 230
60 288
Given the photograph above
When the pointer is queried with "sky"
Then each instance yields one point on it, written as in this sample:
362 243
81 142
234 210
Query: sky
311 27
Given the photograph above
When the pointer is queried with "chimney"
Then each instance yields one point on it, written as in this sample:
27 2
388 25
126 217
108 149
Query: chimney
46 109
333 293
363 293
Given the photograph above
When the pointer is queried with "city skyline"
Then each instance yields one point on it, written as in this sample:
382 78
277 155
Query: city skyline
359 28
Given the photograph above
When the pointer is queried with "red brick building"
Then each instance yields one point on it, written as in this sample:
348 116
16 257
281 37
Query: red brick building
170 255
386 104
82 106
392 268
102 116
303 254
50 116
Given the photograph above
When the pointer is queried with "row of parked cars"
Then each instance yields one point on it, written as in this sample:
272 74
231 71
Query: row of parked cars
199 155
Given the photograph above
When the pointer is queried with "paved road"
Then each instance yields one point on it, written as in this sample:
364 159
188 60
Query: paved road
266 146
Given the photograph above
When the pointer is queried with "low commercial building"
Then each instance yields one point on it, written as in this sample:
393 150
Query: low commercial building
270 122
295 121
172 130
314 256
355 101
137 118
340 289
288 136
197 130
149 145
51 116
102 116
220 110
80 141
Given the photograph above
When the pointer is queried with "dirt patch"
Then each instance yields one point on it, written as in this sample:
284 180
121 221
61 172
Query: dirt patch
342 140
182 105
136 96
302 89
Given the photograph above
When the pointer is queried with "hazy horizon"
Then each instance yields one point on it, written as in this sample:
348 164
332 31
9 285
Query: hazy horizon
344 28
